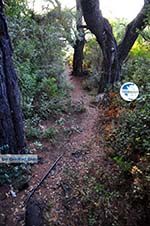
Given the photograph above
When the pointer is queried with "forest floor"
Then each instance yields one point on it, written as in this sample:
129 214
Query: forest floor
81 142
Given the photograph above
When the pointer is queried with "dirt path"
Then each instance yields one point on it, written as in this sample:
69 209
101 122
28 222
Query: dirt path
89 118
78 153
82 148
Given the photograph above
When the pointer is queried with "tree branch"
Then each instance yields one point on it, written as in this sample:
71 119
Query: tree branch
93 18
132 31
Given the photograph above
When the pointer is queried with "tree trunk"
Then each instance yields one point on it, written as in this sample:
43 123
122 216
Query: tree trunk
11 119
111 67
113 54
78 57
79 44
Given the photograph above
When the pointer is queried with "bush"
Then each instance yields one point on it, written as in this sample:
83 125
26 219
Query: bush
132 135
130 138
50 133
38 54
15 175
137 70
49 86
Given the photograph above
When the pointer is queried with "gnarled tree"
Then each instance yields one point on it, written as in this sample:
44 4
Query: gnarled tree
79 43
114 54
11 119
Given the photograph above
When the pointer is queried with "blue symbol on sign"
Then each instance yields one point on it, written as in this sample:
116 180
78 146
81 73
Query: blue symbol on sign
129 91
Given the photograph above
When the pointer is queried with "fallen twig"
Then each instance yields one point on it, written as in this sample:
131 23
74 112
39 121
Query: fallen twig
44 177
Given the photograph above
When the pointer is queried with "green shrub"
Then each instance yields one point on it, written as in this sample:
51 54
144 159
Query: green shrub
49 86
33 133
15 175
133 132
137 70
38 55
50 133
130 139
32 129
92 56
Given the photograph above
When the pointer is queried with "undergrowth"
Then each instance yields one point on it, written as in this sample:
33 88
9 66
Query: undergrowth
117 193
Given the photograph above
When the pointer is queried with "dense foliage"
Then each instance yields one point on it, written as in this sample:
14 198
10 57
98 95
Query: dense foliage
116 191
130 139
117 195
39 43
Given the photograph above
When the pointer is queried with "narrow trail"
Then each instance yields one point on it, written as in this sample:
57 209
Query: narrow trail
78 154
89 118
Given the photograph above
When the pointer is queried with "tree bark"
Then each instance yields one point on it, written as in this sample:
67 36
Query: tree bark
11 118
113 54
111 69
79 44
132 31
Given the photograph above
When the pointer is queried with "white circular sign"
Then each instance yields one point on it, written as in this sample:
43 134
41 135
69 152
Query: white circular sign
129 91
